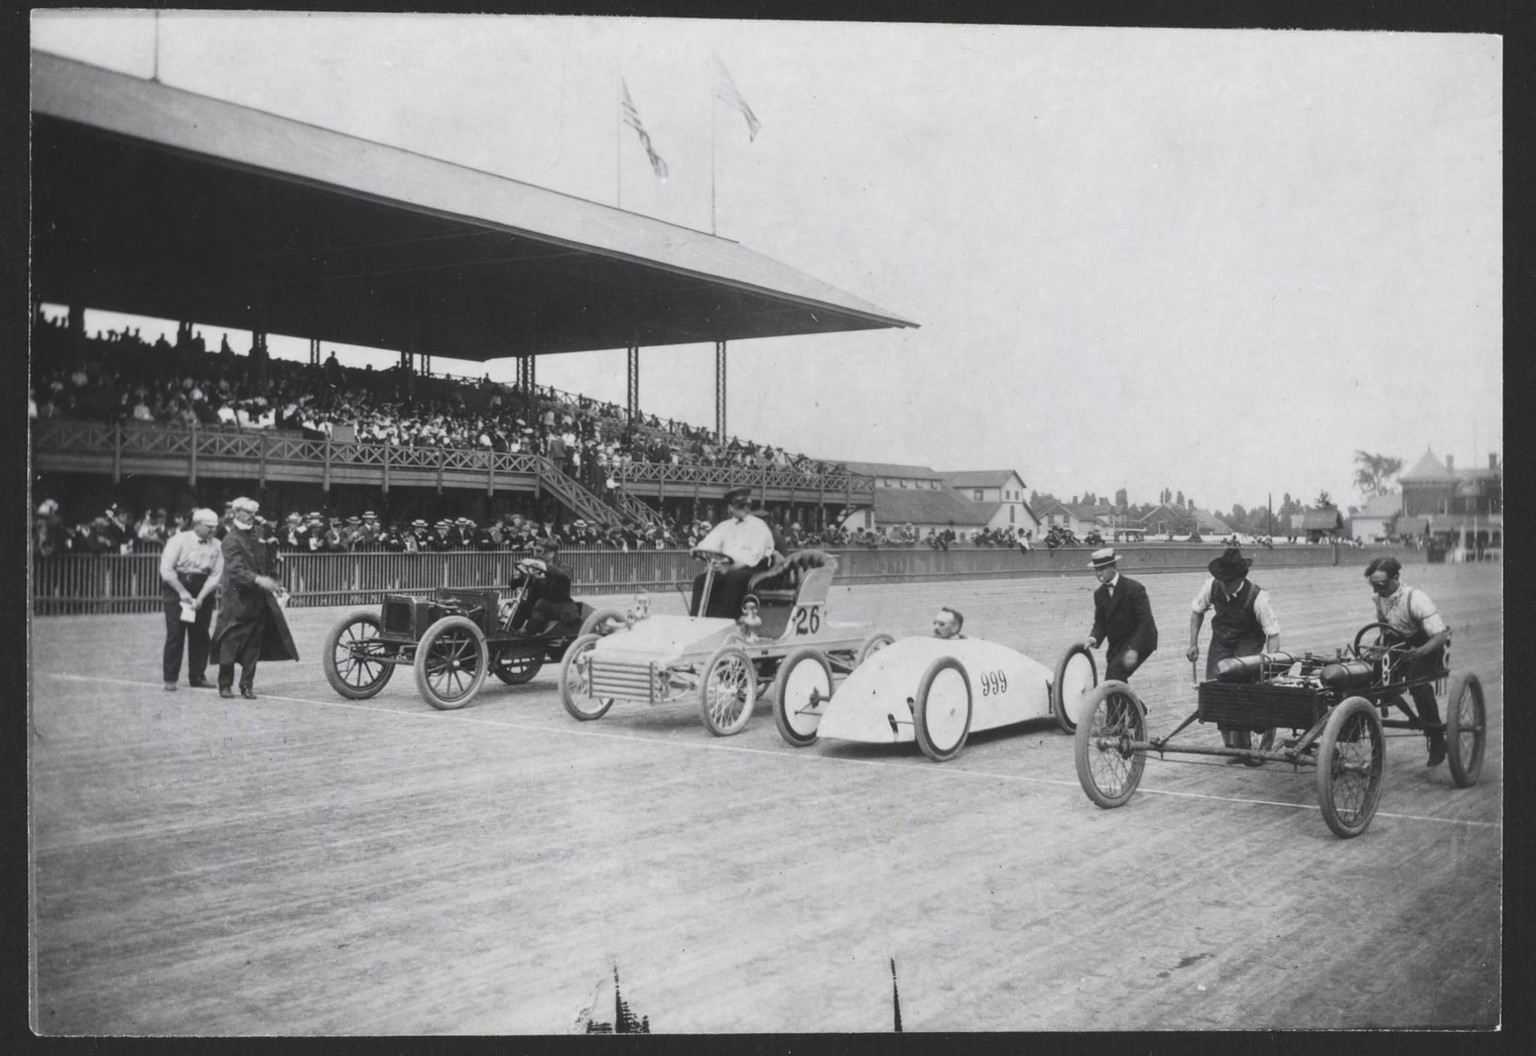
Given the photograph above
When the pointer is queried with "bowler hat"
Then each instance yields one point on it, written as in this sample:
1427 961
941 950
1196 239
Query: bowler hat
1104 558
1231 564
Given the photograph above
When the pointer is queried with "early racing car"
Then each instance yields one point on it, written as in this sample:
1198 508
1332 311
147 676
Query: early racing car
452 639
1330 705
724 664
936 691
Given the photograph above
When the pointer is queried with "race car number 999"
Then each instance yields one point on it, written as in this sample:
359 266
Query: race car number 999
993 682
808 620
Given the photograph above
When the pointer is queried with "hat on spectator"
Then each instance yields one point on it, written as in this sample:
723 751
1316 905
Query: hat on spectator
738 497
203 515
579 523
369 515
354 520
1231 564
47 508
462 521
296 516
314 516
418 523
1104 558
245 505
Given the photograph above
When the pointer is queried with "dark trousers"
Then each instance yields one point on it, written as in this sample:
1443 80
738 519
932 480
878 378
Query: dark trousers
1115 667
1219 651
247 657
191 637
726 595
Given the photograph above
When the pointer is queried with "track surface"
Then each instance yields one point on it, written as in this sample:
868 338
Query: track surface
301 864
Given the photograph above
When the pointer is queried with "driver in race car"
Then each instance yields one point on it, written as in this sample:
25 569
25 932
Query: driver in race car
948 622
1410 612
547 600
748 546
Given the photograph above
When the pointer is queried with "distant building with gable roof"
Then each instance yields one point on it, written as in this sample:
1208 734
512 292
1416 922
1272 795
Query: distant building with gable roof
1462 509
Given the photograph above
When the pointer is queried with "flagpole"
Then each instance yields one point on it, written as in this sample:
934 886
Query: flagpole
618 146
156 75
712 109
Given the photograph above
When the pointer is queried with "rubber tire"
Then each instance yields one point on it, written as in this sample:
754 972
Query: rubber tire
591 624
1077 648
939 753
424 649
873 644
1084 750
1344 715
328 658
782 706
732 653
506 669
1465 768
573 653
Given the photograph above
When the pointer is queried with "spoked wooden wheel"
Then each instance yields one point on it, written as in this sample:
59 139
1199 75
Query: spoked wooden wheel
728 691
451 663
1350 756
354 656
1108 767
515 670
800 692
576 682
1466 730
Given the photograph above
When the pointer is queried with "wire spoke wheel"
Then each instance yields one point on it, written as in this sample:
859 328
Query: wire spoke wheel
728 691
1349 763
514 670
1108 767
1466 730
451 663
354 657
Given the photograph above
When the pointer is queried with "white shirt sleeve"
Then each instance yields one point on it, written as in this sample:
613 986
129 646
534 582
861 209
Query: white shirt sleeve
1422 609
1265 613
1202 602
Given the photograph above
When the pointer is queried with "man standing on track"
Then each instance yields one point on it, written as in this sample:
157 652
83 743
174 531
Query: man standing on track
191 566
1410 612
1122 615
251 625
1244 623
747 543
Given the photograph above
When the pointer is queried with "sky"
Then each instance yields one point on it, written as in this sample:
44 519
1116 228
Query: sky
1216 261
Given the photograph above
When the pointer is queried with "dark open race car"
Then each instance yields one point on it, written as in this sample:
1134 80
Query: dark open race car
1334 707
453 639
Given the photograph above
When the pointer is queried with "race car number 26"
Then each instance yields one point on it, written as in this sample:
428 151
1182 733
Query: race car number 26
807 620
993 682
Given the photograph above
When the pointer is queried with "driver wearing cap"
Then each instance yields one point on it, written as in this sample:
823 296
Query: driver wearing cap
547 599
747 543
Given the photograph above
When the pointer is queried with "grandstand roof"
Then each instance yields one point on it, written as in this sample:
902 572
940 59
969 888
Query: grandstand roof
978 478
892 469
893 506
156 201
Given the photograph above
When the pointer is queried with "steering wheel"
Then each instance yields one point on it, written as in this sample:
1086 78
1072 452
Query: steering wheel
1389 637
714 557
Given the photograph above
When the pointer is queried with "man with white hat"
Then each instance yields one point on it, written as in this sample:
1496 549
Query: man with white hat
251 625
190 566
1122 615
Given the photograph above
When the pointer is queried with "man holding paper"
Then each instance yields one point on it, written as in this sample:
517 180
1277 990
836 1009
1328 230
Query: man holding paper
190 566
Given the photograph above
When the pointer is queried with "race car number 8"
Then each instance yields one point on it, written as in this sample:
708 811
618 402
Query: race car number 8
807 621
993 682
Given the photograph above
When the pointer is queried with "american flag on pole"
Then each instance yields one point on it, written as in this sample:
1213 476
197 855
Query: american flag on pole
632 119
725 90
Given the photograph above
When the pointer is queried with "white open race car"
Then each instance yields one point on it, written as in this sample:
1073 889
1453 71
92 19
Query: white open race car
935 691
723 664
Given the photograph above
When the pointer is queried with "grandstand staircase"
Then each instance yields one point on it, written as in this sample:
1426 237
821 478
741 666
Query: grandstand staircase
644 515
577 499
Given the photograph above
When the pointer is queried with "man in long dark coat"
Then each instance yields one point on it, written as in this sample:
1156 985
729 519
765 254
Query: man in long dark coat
1122 616
251 625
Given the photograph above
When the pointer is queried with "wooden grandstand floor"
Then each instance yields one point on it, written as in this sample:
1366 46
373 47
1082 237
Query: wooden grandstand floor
303 864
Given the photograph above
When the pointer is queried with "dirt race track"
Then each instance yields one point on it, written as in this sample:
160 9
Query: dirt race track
302 864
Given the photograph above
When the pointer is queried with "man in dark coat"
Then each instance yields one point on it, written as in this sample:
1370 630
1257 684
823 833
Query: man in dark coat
251 626
548 599
1122 615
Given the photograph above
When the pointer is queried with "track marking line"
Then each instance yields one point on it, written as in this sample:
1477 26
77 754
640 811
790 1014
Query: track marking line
715 745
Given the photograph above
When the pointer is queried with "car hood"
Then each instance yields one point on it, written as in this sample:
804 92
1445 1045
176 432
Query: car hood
666 639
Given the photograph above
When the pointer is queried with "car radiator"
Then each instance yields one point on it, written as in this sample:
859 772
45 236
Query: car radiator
625 680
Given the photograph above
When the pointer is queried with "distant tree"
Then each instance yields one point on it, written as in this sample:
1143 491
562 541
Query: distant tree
1122 500
1373 472
1239 518
1179 502
1324 501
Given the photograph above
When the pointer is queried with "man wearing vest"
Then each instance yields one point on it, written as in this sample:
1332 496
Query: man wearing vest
1122 616
1410 612
1244 623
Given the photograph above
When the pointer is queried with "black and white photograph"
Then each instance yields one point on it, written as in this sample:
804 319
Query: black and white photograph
569 524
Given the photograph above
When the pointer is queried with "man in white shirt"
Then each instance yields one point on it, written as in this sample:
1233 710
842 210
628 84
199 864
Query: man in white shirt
747 545
1244 623
1410 612
190 567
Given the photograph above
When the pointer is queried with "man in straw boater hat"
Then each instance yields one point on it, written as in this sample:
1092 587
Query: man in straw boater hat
747 543
1244 622
1122 615
251 626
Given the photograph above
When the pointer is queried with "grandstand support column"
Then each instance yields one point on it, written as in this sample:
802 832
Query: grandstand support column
314 351
632 376
719 391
